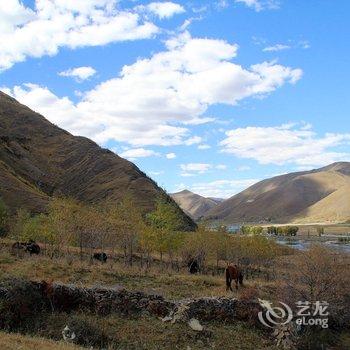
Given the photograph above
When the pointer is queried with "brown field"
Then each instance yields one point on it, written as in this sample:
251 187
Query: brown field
151 332
22 342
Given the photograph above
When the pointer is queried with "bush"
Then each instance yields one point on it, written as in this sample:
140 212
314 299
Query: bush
87 333
320 275
272 230
252 230
20 304
90 330
287 230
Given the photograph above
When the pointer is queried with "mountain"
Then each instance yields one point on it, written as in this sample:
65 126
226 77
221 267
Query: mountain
38 160
321 195
193 204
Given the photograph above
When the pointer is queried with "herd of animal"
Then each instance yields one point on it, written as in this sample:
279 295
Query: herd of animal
233 273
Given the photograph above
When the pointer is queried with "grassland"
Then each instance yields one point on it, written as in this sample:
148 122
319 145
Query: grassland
22 342
142 331
151 332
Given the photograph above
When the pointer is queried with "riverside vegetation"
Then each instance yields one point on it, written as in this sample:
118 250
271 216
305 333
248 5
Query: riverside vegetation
149 254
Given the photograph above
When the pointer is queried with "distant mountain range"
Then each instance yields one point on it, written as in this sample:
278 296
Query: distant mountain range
321 195
38 160
193 204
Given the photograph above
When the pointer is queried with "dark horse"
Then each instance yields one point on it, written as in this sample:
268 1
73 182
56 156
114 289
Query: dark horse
233 273
100 257
193 266
31 247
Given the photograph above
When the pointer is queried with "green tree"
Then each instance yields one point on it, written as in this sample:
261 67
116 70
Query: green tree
37 228
165 221
272 230
18 222
166 215
245 230
125 226
252 230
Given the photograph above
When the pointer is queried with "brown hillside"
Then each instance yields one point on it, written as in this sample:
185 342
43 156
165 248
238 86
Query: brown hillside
321 195
38 160
193 204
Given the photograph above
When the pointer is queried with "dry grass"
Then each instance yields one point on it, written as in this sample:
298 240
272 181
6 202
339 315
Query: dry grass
151 332
22 342
160 281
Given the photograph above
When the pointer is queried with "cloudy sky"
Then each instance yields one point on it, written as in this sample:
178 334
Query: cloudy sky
211 96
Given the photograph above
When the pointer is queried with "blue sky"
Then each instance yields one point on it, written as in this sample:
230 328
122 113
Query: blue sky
211 96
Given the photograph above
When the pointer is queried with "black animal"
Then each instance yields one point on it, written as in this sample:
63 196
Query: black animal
33 248
193 266
30 247
100 257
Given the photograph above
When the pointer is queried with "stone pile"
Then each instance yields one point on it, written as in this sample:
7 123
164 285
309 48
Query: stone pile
104 301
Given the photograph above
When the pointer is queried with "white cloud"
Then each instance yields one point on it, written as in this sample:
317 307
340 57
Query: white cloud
193 141
152 101
285 144
277 47
198 168
218 188
192 169
304 44
221 4
221 167
205 146
259 5
79 73
138 153
187 174
163 10
170 156
64 23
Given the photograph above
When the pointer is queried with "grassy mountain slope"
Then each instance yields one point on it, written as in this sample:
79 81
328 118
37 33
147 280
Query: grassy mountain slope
38 160
320 195
193 204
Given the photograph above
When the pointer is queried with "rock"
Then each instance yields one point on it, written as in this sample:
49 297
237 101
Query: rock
181 313
195 325
68 335
166 318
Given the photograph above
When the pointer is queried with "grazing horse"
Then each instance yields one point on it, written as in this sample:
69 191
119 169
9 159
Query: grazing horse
30 247
193 266
233 273
100 257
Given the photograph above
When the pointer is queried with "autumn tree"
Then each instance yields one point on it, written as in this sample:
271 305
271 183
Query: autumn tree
63 219
165 221
18 222
125 224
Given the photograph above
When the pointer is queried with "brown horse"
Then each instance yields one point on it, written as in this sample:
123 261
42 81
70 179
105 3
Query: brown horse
233 273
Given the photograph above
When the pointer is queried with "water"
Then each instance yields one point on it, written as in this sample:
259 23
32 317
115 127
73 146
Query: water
301 244
233 228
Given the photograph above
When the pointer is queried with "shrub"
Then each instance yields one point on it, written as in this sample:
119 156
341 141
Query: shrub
320 231
87 333
272 230
287 230
321 275
253 230
20 304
